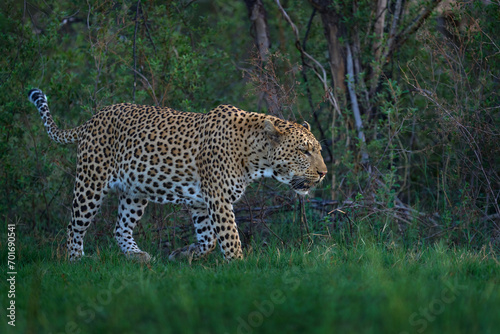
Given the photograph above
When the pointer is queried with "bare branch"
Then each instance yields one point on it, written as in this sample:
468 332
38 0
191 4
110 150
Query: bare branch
134 48
401 37
308 90
396 40
149 85
355 106
318 69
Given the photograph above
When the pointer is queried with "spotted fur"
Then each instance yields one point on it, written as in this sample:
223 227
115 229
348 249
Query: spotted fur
204 161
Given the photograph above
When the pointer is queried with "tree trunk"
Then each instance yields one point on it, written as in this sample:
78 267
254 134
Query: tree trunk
379 28
258 16
333 30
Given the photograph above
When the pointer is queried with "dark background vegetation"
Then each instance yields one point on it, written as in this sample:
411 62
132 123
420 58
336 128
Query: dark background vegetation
404 96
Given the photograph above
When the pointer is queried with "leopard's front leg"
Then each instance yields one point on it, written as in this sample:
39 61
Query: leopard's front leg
222 216
215 221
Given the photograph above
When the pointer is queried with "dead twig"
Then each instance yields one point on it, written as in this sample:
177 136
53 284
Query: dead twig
318 69
134 48
303 218
348 218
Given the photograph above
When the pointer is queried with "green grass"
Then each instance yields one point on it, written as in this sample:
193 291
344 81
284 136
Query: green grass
326 288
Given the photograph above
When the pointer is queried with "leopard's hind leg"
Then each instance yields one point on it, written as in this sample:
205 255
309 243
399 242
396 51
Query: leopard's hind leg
130 211
86 203
205 233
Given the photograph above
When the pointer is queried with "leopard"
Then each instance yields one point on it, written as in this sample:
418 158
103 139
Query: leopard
203 161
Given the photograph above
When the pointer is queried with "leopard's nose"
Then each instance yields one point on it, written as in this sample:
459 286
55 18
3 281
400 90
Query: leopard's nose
322 173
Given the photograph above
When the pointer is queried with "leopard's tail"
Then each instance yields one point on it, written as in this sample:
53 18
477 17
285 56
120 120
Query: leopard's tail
58 135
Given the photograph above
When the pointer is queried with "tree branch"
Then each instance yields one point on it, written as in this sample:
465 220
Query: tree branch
413 26
355 106
318 69
308 90
146 80
134 49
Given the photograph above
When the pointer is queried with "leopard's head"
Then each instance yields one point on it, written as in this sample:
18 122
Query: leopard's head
295 154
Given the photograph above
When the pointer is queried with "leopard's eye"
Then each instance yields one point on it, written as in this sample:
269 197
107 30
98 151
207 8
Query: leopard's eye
305 151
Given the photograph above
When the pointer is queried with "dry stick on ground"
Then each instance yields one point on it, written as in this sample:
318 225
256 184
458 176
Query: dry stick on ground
262 211
399 212
274 233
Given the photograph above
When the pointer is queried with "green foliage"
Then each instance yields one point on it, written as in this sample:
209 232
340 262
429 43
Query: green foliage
84 66
431 122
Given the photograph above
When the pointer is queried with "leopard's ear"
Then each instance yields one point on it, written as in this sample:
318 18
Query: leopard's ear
272 132
306 125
